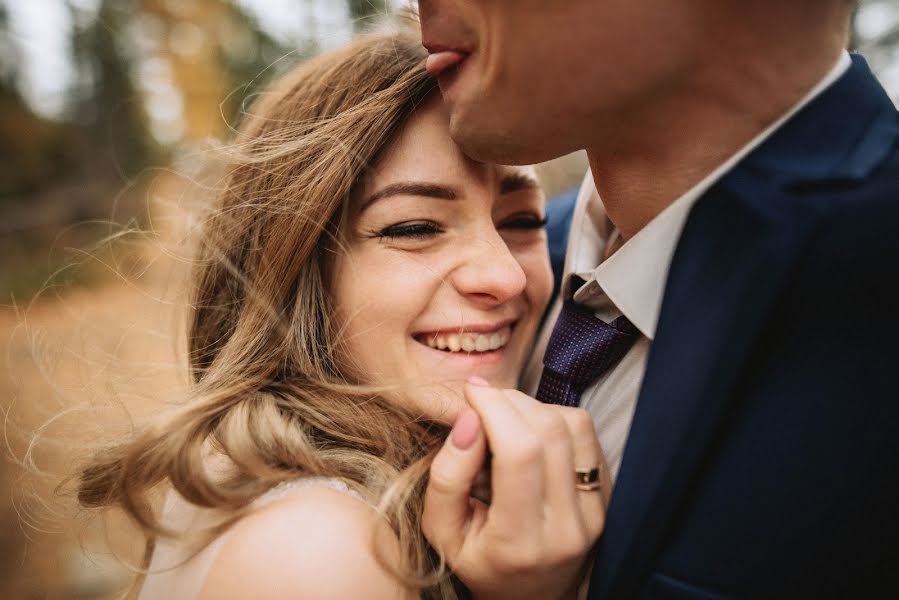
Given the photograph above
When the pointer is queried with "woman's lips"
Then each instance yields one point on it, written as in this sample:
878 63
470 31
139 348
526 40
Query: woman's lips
439 62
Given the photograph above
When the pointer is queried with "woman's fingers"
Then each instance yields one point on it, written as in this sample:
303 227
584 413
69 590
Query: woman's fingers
447 507
588 455
575 517
550 426
517 477
539 528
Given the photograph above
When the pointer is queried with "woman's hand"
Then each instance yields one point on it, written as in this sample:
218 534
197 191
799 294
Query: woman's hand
533 540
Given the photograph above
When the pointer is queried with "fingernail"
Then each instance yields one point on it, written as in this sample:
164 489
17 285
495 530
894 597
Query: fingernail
466 429
479 381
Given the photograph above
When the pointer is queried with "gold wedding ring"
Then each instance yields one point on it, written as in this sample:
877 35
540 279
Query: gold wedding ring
587 479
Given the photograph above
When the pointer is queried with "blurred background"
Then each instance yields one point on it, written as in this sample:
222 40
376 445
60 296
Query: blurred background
108 109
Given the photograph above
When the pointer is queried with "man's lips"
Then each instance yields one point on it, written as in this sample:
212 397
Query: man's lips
440 61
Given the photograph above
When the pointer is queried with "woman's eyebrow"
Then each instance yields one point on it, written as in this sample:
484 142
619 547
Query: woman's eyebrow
515 182
411 188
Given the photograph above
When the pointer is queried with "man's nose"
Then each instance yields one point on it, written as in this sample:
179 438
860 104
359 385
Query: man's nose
488 273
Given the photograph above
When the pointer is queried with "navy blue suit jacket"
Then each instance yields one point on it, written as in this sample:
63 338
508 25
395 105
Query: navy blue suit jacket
763 458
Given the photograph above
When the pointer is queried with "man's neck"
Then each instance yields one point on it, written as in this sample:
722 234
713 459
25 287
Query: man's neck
665 148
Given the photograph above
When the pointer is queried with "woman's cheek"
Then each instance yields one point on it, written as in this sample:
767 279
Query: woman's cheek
534 261
401 286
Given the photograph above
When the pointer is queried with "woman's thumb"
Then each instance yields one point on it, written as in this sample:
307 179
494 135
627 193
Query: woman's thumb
447 505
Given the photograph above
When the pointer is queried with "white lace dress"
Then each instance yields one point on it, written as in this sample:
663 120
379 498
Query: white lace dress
170 577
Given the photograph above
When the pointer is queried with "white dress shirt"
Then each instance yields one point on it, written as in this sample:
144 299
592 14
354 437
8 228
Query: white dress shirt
631 282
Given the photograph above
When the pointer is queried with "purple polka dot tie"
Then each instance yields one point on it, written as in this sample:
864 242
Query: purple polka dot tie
580 349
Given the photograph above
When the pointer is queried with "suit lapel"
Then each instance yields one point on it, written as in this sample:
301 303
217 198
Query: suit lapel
736 252
730 250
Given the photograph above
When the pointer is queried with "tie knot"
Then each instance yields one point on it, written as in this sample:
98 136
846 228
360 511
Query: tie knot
582 347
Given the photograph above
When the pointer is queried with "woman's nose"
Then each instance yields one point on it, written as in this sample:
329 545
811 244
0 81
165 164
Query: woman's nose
488 273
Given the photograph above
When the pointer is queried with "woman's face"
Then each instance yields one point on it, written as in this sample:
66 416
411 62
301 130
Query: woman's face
444 273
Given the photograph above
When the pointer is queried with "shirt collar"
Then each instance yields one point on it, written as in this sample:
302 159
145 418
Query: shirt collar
634 277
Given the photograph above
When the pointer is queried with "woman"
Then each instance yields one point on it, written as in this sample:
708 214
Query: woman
356 271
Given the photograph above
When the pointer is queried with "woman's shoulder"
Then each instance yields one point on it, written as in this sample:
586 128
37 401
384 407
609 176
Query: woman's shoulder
312 539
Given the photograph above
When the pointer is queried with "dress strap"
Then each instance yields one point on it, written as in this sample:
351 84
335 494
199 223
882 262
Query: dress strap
286 488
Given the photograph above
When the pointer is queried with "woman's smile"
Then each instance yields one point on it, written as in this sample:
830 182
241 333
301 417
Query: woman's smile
475 349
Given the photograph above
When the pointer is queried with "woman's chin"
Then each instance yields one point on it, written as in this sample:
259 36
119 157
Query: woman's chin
443 402
499 367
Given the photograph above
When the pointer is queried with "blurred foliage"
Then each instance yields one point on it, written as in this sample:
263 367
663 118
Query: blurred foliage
194 62
28 142
105 102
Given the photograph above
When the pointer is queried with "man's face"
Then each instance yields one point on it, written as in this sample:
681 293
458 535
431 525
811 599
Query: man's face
529 80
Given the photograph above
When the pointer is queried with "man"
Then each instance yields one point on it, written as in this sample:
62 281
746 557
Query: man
748 236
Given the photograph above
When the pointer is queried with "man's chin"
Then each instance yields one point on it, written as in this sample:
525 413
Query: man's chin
486 140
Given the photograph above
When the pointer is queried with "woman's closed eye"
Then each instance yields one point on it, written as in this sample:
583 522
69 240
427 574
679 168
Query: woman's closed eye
409 230
523 221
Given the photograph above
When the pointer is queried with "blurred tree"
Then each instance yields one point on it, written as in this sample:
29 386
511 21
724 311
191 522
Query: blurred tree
217 55
103 135
105 101
27 140
250 57
10 56
55 173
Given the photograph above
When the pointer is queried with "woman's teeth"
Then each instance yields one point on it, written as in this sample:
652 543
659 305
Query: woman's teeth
469 342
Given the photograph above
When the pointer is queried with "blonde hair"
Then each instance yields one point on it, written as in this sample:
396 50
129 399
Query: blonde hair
269 393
